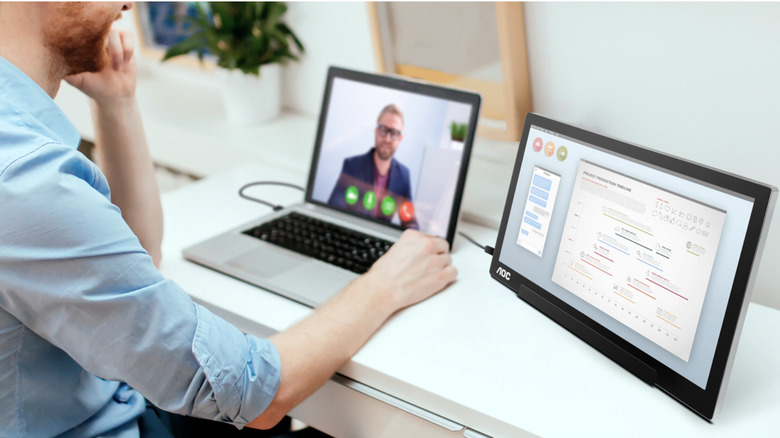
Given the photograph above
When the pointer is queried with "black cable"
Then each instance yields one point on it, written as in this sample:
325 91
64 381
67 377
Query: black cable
275 207
487 248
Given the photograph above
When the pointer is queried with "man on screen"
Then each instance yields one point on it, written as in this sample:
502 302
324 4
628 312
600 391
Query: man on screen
375 184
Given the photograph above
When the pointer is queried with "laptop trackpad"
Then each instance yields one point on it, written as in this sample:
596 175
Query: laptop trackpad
265 263
315 278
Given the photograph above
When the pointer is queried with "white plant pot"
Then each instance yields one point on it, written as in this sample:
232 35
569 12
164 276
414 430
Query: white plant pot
249 98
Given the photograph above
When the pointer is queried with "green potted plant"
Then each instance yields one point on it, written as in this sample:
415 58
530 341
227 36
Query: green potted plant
458 131
249 41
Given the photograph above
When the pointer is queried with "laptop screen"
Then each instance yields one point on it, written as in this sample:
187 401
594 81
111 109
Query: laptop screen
393 151
649 251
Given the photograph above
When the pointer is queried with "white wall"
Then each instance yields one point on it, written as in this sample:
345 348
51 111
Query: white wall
333 34
697 80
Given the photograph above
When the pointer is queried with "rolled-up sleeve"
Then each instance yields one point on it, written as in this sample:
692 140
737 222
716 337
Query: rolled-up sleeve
241 391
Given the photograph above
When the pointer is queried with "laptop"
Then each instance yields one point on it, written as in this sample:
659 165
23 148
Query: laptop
390 154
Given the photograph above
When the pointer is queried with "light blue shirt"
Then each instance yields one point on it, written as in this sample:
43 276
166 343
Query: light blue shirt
82 307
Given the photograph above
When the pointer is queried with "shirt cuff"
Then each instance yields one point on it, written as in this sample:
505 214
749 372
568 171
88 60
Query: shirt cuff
243 371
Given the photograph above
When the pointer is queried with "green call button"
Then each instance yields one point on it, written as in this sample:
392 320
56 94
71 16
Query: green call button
369 200
388 206
351 195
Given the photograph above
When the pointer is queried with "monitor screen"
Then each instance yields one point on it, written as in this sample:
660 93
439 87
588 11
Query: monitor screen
646 249
394 151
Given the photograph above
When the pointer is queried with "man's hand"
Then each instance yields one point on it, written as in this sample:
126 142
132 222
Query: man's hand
417 265
116 81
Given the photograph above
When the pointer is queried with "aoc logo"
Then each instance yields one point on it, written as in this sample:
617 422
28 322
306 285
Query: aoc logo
503 272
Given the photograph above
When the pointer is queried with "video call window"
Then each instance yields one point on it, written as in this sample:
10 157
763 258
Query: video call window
391 156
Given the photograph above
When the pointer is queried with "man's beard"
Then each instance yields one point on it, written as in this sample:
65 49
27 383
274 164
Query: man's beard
384 154
78 39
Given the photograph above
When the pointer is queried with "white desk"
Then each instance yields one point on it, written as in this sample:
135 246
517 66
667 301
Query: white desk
474 356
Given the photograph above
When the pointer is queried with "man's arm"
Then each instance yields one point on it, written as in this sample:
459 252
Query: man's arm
122 152
416 267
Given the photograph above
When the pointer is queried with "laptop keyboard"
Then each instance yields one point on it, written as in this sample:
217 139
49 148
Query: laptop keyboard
322 240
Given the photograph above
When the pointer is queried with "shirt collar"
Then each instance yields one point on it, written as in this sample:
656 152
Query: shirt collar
29 98
376 170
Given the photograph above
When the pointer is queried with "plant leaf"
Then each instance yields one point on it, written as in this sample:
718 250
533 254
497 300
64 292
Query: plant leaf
192 43
284 28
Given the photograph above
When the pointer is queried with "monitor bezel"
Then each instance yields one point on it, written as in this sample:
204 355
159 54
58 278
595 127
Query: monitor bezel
702 401
407 85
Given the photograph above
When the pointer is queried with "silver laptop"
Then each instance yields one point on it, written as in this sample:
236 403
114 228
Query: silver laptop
390 154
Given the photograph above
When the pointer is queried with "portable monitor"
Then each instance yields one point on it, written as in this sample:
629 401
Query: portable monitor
647 257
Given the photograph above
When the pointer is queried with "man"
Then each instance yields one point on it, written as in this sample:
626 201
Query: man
88 326
375 184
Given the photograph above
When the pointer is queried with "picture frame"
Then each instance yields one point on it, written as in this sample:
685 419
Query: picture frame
505 101
158 29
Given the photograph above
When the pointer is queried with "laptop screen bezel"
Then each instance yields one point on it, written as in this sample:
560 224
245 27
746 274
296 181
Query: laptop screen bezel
647 368
406 85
